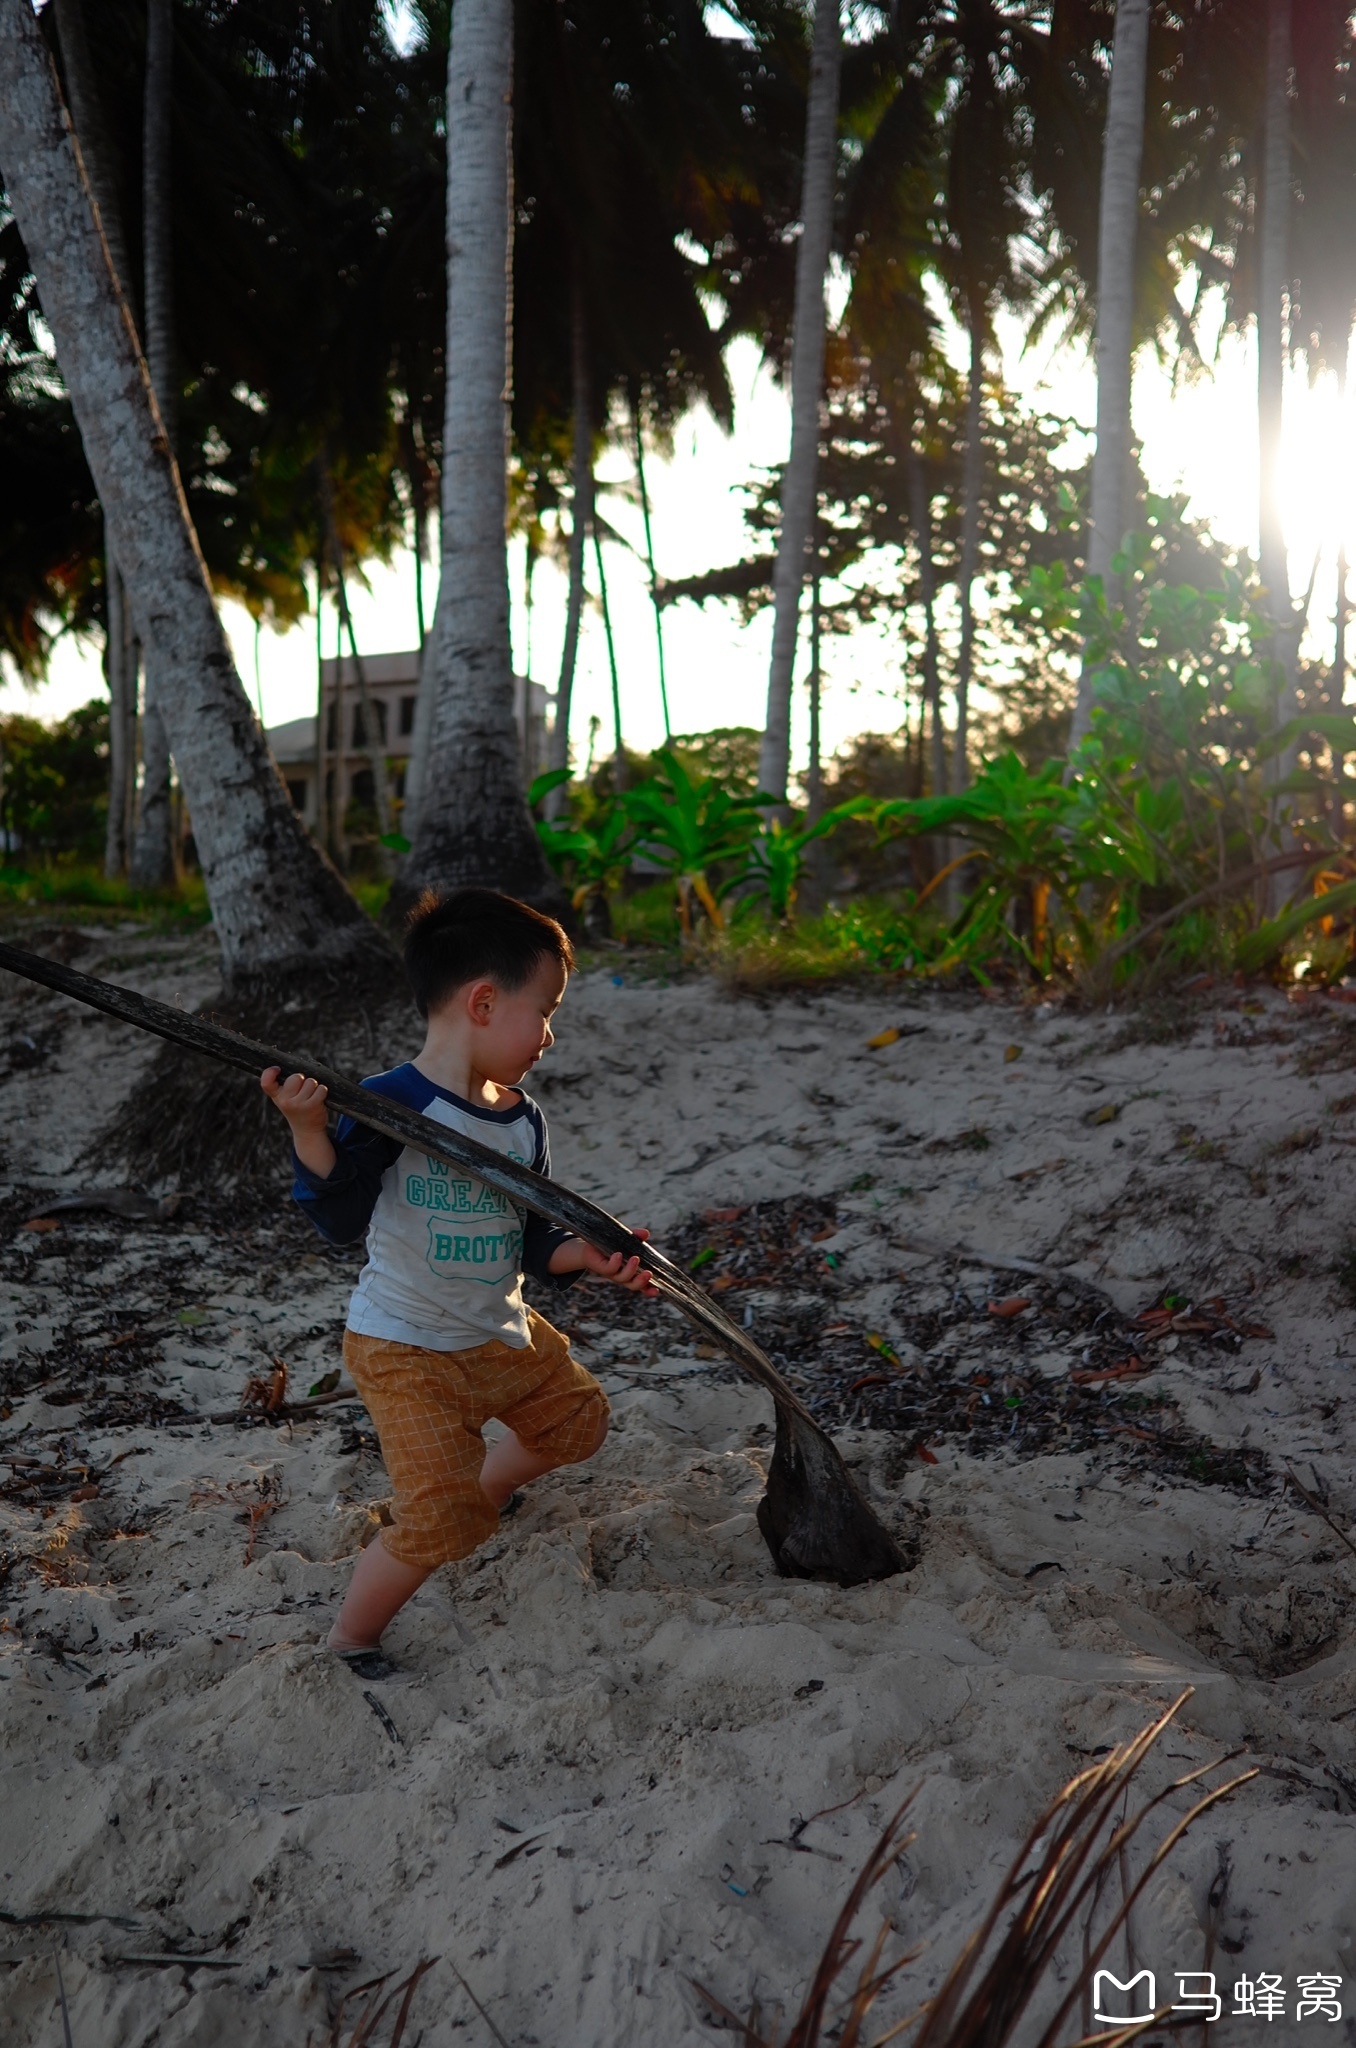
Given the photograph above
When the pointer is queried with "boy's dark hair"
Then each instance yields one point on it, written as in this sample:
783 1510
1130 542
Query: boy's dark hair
451 940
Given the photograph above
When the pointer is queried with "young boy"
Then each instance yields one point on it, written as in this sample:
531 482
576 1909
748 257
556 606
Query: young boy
439 1338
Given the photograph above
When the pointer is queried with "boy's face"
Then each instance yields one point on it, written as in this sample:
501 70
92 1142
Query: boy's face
511 1027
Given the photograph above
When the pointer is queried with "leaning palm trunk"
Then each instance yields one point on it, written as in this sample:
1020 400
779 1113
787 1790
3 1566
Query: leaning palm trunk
807 383
152 864
1122 153
581 519
473 824
276 904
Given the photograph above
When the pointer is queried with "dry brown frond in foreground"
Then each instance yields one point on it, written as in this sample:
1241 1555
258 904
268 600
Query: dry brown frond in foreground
1050 1892
374 2011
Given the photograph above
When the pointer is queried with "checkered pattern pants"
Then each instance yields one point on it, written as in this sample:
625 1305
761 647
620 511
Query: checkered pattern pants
430 1407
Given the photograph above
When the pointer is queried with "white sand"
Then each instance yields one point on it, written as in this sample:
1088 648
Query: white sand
618 1688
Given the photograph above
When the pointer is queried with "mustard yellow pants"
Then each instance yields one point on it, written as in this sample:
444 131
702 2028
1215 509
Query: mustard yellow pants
430 1407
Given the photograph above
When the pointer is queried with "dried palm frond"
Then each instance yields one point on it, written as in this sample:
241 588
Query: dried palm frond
378 2003
1051 1891
839 1950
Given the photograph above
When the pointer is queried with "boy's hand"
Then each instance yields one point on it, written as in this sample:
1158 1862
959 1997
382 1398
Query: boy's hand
574 1256
303 1103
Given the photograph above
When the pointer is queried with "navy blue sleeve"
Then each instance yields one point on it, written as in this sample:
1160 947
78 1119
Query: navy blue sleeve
340 1205
540 1238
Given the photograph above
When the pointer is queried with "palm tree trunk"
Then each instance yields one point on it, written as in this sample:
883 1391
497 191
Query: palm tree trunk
152 863
581 519
1337 685
417 762
920 512
474 825
373 737
618 748
1274 282
1272 294
322 802
96 147
121 725
277 906
86 108
649 558
814 778
342 796
972 484
1118 221
807 384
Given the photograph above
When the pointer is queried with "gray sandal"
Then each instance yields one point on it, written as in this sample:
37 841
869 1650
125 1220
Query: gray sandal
368 1664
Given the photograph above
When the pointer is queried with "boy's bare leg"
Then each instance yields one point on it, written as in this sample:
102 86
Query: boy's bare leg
509 1464
378 1590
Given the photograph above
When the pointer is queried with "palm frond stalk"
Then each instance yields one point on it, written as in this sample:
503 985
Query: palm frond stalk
1049 1895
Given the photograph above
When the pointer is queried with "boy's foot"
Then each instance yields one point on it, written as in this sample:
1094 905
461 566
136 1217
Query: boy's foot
368 1664
512 1505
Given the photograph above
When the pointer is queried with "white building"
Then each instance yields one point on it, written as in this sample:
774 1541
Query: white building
393 686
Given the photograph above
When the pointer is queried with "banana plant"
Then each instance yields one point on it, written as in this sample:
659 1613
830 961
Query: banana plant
776 858
591 856
690 828
1021 852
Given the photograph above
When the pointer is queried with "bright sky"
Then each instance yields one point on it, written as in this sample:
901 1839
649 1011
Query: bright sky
1201 437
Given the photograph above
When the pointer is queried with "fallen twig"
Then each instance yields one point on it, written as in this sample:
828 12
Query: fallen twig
68 1919
1305 858
477 2004
387 1723
1322 1513
179 1962
61 1994
1005 1262
288 1411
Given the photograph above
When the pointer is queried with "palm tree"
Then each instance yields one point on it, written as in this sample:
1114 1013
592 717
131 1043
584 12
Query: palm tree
1273 291
620 114
278 907
983 218
120 666
473 823
152 863
581 519
1122 154
818 179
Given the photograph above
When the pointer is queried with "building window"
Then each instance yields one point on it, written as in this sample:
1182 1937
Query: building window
297 792
407 710
364 790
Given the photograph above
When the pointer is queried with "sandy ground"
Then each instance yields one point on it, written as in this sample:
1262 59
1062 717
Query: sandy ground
596 1778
